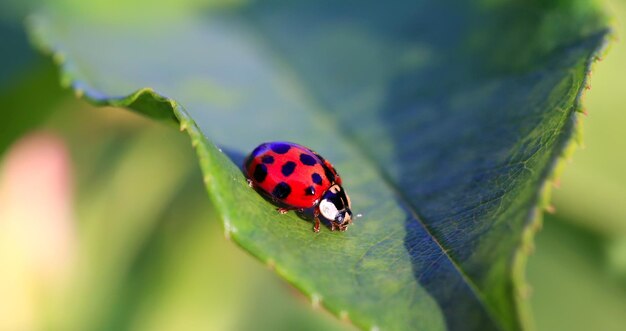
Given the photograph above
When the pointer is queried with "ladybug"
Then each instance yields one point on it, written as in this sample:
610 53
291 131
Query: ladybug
294 177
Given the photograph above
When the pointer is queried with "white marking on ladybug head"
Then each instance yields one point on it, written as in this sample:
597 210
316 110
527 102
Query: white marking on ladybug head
328 209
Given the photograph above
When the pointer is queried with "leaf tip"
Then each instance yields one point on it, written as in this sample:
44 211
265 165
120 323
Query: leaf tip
316 300
343 315
525 292
582 110
66 80
58 58
271 263
78 92
229 229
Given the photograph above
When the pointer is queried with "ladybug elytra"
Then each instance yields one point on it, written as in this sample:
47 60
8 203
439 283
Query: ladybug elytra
296 178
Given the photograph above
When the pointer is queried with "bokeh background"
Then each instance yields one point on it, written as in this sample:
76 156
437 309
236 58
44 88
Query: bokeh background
94 242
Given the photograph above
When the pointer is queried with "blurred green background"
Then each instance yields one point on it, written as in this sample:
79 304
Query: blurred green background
150 254
578 270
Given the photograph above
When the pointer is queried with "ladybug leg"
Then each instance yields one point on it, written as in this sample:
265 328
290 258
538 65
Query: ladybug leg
282 211
344 227
316 227
249 182
316 214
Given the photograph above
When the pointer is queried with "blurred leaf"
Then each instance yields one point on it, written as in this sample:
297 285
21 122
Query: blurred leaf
617 257
16 53
116 207
572 289
445 121
22 75
20 111
14 11
36 244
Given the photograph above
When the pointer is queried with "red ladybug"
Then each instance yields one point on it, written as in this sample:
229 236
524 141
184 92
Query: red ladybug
296 178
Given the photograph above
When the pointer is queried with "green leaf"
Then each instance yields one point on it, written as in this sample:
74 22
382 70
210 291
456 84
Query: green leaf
21 112
594 186
444 119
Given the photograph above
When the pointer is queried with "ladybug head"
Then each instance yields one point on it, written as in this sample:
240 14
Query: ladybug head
335 206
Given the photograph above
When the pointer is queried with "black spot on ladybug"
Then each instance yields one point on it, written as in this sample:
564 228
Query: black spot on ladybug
257 151
267 159
281 190
280 148
260 172
307 159
309 190
329 174
317 179
288 168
